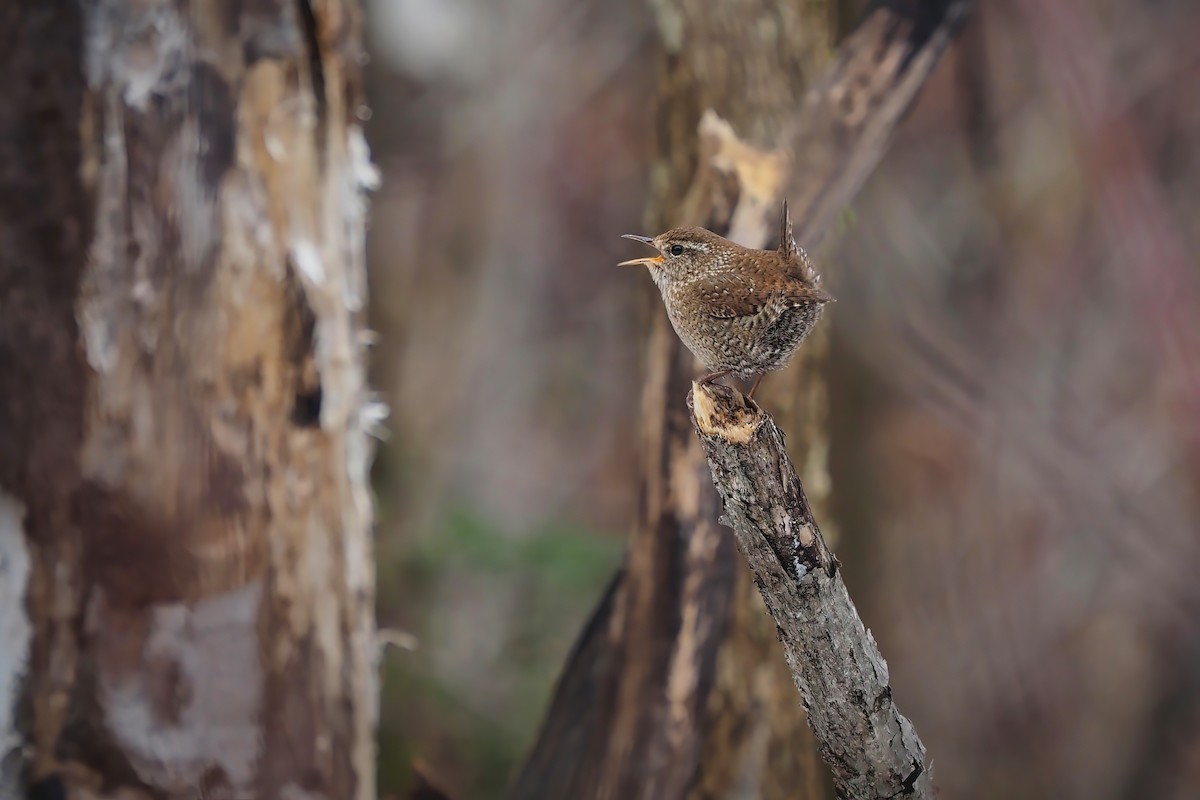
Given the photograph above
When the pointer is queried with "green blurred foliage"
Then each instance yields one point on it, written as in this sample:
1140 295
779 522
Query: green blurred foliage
442 587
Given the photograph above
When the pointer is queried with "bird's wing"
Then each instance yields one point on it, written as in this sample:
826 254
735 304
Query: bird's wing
733 296
729 296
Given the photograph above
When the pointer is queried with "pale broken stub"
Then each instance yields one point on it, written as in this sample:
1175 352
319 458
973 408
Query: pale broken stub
731 419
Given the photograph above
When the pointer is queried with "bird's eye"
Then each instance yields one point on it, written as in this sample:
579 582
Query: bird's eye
676 249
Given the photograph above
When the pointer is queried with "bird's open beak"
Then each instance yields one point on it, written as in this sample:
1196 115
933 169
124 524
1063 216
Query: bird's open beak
651 261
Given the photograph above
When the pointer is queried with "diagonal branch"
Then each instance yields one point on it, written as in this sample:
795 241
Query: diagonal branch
832 143
871 748
847 119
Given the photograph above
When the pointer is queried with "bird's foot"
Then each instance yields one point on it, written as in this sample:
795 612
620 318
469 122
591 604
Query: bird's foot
711 378
754 388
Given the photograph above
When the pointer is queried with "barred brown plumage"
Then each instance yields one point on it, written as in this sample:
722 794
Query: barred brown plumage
739 311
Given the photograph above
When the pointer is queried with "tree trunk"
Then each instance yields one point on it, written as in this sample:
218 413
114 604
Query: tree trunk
677 687
184 479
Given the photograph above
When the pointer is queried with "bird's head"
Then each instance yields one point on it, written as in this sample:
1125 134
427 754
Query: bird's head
680 251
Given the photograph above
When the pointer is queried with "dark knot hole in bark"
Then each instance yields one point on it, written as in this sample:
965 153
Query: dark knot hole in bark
306 410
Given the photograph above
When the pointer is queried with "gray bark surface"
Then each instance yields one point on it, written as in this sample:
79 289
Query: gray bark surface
870 747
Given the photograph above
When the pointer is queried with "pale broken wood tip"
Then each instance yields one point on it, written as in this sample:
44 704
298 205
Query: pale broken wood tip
725 412
761 173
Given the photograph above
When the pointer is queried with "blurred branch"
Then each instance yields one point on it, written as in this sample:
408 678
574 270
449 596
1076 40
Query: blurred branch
847 119
871 748
843 127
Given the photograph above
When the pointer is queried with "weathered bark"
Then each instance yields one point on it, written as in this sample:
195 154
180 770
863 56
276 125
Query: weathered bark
676 687
184 410
871 748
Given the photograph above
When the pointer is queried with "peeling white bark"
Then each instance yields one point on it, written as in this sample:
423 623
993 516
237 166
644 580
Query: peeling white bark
191 699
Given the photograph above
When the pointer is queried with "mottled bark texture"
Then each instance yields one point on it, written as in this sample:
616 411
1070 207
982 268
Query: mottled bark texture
182 400
676 687
868 744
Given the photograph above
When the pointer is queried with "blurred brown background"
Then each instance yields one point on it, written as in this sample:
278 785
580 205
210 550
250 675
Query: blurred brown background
1016 444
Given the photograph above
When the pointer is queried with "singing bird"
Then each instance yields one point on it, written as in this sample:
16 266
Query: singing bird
740 311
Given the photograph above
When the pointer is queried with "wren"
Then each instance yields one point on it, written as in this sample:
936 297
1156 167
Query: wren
740 311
